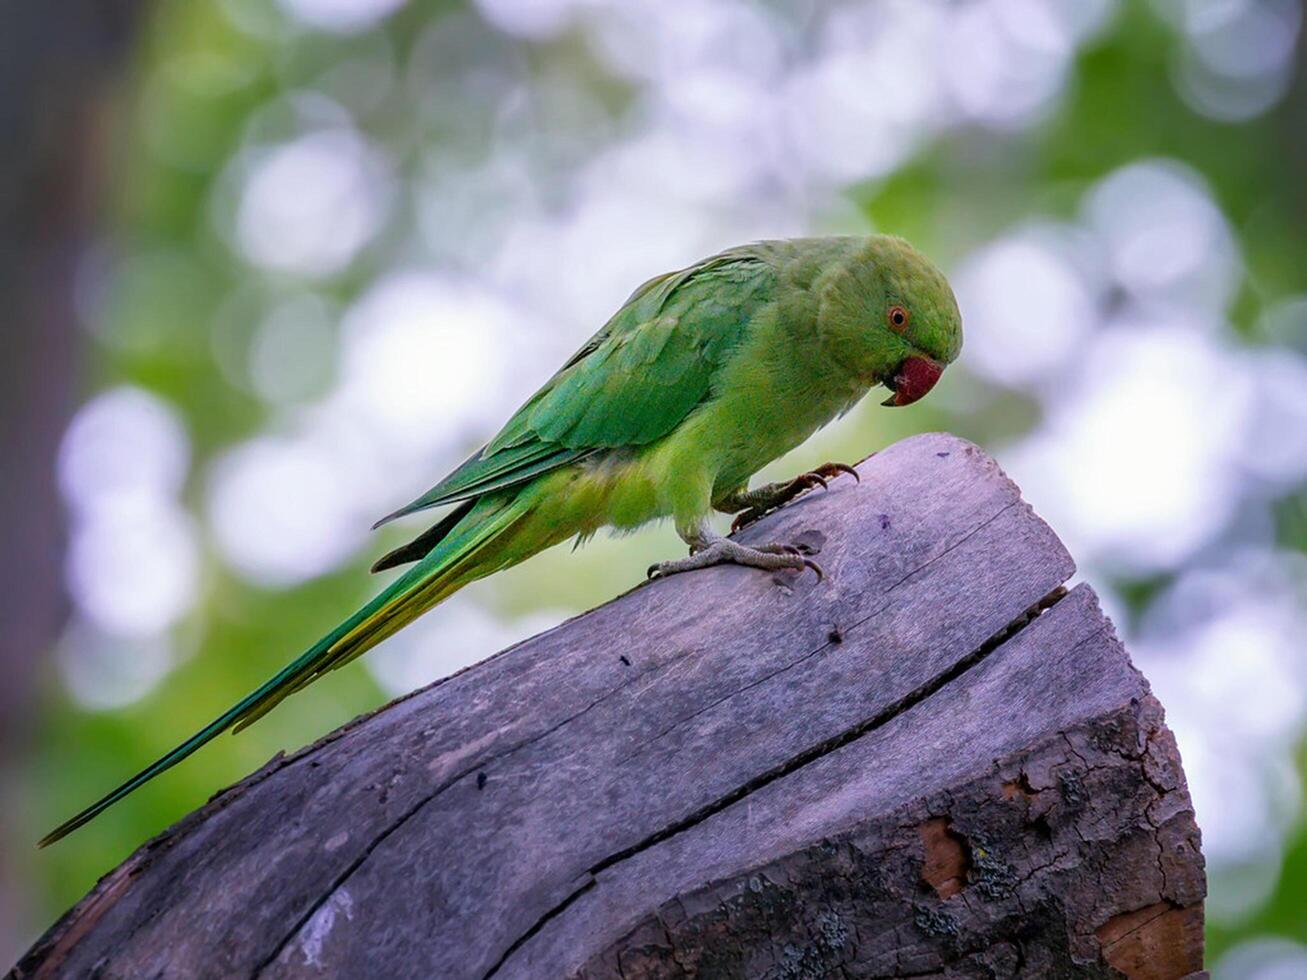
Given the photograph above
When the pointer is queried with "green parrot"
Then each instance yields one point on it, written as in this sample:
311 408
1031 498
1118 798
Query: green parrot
703 377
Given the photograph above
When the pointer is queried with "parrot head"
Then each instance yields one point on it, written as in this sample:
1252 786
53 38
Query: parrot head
892 317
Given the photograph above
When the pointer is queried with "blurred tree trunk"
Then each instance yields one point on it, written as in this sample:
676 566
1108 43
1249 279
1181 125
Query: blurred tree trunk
1292 115
57 61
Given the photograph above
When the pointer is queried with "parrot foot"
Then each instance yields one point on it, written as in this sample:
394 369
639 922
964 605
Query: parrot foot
723 551
761 502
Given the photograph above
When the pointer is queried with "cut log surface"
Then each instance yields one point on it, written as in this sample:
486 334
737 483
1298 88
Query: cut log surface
937 762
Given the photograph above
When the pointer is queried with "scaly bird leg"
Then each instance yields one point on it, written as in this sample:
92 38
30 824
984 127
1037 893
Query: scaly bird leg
708 548
752 505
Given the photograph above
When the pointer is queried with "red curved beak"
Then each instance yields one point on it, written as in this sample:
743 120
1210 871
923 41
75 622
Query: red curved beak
914 378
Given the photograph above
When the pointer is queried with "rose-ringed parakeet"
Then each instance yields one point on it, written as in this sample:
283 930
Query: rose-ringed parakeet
703 376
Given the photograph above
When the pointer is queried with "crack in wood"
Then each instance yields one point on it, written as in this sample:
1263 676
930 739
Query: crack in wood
348 872
477 765
587 882
808 756
834 637
1161 939
956 544
836 761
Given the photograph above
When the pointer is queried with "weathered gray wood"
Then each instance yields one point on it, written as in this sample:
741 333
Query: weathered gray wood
725 774
1043 782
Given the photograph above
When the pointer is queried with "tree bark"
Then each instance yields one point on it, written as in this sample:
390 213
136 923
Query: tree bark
937 762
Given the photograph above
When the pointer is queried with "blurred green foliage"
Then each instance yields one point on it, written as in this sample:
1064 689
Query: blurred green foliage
167 322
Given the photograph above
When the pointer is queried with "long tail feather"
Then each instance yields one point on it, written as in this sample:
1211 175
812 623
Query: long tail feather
422 545
451 565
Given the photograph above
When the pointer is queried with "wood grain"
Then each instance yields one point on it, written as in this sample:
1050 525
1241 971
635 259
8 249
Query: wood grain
934 762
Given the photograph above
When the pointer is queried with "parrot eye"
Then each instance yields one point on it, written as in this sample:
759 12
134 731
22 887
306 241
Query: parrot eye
898 319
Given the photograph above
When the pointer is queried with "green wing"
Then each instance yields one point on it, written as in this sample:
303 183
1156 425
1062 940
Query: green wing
633 381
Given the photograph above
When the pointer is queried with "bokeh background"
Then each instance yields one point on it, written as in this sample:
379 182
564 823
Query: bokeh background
271 267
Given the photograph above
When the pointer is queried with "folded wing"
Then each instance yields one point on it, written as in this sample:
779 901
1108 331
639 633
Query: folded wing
633 382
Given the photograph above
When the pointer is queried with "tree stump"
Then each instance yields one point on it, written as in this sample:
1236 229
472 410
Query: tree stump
937 762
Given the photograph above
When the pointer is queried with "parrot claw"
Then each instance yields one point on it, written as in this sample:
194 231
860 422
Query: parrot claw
746 517
787 492
835 469
723 551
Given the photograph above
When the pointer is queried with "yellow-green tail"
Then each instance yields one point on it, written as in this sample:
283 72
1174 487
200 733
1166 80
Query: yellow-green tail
454 562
